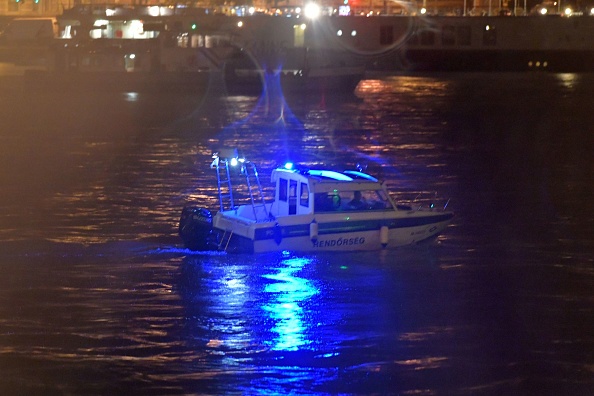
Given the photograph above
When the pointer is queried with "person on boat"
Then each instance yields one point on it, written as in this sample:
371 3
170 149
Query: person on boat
358 202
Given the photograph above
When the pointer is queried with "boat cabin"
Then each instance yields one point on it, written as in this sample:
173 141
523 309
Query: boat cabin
322 191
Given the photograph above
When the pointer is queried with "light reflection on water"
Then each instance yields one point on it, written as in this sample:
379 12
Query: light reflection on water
288 306
265 308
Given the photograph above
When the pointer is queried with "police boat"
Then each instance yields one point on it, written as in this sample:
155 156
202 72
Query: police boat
312 210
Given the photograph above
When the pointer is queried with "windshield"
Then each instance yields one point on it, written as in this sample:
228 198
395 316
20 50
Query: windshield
351 201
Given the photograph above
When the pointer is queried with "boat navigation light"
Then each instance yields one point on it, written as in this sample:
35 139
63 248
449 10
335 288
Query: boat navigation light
311 10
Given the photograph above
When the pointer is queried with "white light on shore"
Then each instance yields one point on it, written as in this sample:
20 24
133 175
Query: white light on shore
312 10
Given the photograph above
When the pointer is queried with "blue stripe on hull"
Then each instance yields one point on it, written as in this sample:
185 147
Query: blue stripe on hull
349 226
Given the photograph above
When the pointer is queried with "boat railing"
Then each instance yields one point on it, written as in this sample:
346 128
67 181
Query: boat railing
255 191
223 161
425 201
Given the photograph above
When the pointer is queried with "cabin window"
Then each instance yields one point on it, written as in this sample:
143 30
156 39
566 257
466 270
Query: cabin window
292 197
304 197
427 37
367 200
386 35
383 200
490 36
448 35
463 35
351 201
282 190
299 35
327 202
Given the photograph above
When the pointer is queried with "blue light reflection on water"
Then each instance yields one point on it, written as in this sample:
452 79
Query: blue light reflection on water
278 323
289 294
237 305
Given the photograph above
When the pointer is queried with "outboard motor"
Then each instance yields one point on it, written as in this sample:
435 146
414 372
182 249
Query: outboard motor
195 229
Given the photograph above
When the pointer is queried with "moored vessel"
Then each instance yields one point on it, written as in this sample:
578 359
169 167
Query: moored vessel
329 52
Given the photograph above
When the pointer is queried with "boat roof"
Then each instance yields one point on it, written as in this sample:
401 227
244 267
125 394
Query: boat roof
321 180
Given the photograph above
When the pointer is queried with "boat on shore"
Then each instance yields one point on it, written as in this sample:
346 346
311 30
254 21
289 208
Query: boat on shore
550 43
126 65
312 210
329 52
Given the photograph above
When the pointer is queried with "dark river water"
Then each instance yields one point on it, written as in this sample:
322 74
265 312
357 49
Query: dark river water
98 297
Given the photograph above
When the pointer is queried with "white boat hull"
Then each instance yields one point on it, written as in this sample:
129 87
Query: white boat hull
313 210
349 235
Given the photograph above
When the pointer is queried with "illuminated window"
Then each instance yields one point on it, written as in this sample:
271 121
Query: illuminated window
304 197
299 35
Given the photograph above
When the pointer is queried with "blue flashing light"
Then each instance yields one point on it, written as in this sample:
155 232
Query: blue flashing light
233 161
289 166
